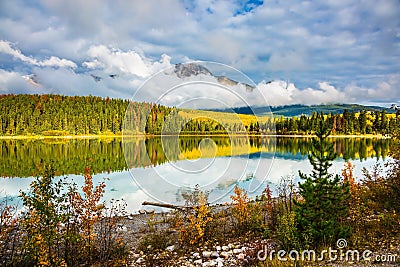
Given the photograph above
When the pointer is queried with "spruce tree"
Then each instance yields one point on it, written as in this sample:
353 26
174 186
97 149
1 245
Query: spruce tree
322 207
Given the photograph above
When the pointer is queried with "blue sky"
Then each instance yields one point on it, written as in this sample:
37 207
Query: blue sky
326 50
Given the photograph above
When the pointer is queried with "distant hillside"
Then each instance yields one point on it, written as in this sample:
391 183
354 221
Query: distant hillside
297 110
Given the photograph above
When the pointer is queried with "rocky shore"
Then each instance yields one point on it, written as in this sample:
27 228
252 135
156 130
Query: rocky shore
231 254
234 252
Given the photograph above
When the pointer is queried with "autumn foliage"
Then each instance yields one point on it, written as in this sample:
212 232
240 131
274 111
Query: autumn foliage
60 226
193 230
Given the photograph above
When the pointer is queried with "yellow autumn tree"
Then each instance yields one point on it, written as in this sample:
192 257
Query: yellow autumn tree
193 231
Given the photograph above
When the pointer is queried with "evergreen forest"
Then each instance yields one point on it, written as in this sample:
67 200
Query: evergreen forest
57 115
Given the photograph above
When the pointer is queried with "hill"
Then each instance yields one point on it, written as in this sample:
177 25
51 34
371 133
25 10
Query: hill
298 110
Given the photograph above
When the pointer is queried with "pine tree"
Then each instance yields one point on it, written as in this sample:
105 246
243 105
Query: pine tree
322 207
362 120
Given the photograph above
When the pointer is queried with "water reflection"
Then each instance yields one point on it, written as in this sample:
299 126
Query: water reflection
224 164
23 158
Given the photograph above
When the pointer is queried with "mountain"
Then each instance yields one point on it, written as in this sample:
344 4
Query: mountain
190 69
229 82
297 110
183 70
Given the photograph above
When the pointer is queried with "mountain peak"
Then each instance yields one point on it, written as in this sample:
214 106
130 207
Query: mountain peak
190 69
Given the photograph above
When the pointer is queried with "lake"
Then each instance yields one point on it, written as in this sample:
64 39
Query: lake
164 169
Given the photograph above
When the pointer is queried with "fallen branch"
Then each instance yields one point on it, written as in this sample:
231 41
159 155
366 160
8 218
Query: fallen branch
163 205
176 207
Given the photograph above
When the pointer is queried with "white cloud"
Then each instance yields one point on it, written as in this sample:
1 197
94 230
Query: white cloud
113 60
280 93
350 45
5 47
386 91
291 60
13 83
56 62
325 94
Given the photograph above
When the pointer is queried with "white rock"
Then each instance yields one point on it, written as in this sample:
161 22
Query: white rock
198 262
218 248
206 254
196 255
225 248
135 255
237 251
122 228
220 260
140 260
241 256
214 254
170 248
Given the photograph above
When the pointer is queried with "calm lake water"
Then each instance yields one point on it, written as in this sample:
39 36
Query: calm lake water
164 169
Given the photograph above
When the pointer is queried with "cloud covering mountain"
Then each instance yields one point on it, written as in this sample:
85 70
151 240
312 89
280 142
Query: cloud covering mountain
343 52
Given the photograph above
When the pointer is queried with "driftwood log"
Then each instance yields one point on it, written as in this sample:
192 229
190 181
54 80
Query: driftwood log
164 205
176 207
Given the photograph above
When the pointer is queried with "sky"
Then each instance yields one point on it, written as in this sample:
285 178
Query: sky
296 52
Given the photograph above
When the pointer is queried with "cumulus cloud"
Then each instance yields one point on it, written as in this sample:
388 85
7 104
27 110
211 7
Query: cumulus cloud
281 93
13 82
133 68
56 62
82 83
386 91
204 91
352 46
6 48
113 60
7 79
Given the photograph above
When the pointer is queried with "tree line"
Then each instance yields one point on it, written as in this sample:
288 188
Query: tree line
79 115
61 115
349 122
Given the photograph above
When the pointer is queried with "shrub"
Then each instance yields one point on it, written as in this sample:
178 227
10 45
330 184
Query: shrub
41 220
9 233
60 227
286 230
240 208
156 239
193 230
87 211
248 215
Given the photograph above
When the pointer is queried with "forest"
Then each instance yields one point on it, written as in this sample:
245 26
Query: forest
57 115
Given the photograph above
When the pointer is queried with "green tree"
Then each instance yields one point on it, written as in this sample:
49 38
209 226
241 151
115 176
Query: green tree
322 207
44 206
362 121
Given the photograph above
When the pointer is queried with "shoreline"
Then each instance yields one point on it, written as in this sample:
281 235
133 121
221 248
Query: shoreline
101 136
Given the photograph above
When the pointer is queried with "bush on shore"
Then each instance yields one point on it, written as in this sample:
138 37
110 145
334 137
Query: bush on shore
60 226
